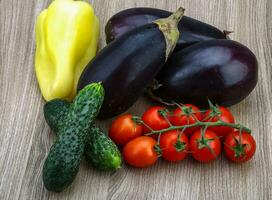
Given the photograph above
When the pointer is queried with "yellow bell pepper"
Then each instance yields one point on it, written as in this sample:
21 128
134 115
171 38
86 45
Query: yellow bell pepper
67 35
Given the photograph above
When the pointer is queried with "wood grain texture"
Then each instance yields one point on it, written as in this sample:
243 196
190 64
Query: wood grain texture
25 138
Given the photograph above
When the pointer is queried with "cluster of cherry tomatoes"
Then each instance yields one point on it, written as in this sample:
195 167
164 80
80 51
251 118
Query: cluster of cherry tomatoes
157 134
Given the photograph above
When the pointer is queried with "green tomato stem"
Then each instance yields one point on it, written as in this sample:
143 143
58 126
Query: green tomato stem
199 123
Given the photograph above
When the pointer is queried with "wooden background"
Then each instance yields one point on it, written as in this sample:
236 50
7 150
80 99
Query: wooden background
25 137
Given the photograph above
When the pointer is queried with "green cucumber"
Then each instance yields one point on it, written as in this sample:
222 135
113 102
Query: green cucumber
62 163
54 112
100 151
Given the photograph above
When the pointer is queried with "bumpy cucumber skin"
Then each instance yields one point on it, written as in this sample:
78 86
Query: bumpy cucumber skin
54 112
101 152
62 163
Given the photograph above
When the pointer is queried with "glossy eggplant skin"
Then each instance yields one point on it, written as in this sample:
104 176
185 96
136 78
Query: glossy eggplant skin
193 31
223 71
125 67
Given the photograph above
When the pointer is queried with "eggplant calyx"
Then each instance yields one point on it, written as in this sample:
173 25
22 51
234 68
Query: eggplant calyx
158 99
169 27
155 84
227 33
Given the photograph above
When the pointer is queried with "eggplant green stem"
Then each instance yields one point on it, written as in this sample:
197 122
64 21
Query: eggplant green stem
169 28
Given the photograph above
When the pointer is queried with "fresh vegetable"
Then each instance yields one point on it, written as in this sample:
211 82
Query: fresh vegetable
155 118
170 140
54 113
100 150
128 65
140 152
193 31
239 147
205 146
124 129
186 114
62 163
223 71
67 35
174 146
219 113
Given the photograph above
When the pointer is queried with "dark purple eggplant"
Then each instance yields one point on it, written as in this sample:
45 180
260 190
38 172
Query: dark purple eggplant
127 66
223 71
193 31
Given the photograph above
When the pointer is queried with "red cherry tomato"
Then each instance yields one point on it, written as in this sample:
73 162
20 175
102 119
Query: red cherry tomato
224 115
205 149
173 149
187 114
239 148
123 129
140 152
153 118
